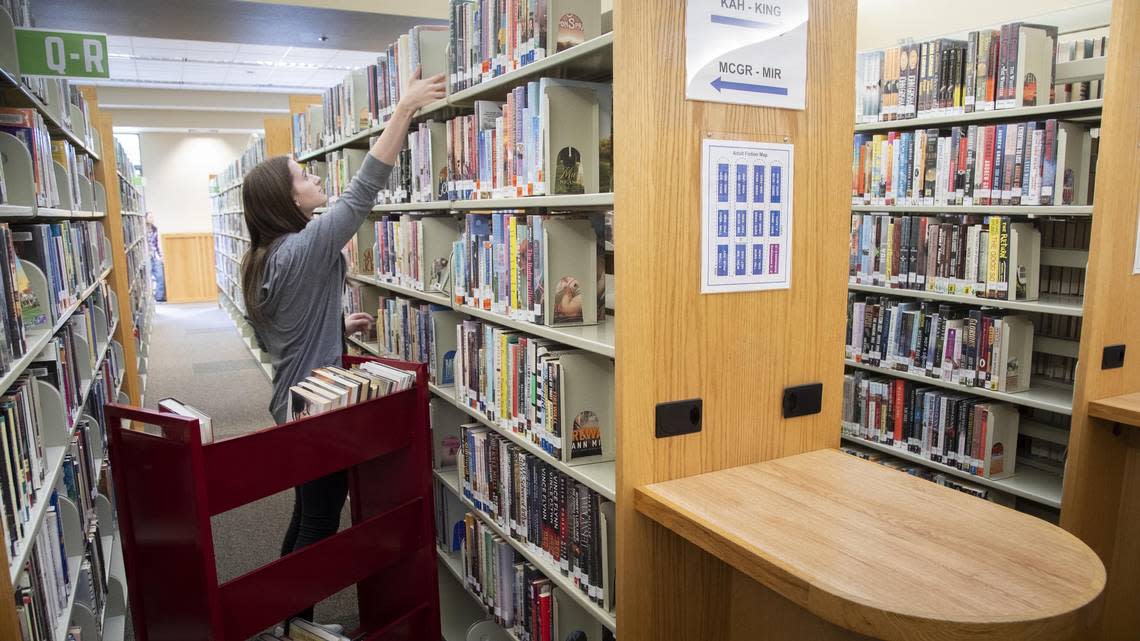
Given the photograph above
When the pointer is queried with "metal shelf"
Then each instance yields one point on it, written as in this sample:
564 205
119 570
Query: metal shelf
1002 210
598 339
554 574
1060 110
1046 304
599 477
567 201
430 297
589 60
19 96
1053 397
1028 482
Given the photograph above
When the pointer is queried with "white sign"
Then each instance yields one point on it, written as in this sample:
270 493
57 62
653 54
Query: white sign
748 52
746 216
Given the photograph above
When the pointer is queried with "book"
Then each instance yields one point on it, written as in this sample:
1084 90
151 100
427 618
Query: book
971 434
302 630
205 424
543 510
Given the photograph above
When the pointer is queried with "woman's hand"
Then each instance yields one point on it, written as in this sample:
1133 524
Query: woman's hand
357 322
421 92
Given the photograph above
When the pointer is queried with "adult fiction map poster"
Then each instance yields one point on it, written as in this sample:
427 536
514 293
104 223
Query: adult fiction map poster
746 216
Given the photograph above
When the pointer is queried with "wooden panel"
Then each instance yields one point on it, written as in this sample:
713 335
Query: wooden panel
106 173
1101 485
278 136
300 103
189 262
1119 409
735 351
943 565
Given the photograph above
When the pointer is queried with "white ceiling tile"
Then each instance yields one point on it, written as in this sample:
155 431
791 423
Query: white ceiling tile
248 75
140 42
309 56
123 69
195 72
224 48
298 77
262 49
242 56
165 71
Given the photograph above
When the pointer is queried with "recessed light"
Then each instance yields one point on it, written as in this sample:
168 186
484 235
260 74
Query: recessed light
322 38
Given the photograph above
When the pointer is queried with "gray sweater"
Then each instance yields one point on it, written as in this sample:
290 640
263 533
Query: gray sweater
304 285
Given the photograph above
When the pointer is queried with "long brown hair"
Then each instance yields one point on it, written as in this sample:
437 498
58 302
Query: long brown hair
270 214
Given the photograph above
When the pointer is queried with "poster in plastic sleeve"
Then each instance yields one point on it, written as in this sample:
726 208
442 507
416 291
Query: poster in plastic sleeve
747 52
746 216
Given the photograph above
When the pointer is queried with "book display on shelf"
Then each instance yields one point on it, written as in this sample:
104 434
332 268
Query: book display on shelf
964 289
546 29
1034 163
534 142
990 69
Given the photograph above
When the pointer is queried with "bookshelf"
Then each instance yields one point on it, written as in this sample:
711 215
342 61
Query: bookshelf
231 239
1030 482
590 61
88 334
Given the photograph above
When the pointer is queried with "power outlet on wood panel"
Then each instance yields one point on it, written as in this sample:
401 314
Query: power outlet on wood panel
802 400
679 417
1113 357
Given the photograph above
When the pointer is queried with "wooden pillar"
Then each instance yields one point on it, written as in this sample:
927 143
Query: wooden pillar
738 351
278 136
1101 502
107 173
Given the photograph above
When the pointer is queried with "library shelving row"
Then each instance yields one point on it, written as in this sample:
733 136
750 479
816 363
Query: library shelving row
991 284
576 226
231 238
65 358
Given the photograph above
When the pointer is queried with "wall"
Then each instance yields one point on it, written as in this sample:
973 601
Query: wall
177 167
882 23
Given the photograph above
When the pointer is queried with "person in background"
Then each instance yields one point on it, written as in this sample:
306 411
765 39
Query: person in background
292 281
157 269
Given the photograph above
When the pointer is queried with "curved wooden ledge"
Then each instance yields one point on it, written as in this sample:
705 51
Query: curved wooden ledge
1118 409
883 553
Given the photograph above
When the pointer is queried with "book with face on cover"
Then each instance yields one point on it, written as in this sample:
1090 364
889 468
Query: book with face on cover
175 406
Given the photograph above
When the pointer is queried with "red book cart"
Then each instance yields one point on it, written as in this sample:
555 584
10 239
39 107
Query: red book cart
168 486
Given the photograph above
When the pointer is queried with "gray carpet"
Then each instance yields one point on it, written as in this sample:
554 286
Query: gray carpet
198 357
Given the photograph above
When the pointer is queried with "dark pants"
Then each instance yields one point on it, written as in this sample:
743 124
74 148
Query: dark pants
158 273
316 515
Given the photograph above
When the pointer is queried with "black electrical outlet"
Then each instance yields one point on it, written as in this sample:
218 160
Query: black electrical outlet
679 417
803 400
1113 357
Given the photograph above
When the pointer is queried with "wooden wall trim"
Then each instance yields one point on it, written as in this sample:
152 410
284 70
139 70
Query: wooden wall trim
1102 473
189 265
735 351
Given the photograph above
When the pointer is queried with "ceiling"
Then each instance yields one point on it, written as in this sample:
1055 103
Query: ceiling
194 64
234 45
419 8
254 23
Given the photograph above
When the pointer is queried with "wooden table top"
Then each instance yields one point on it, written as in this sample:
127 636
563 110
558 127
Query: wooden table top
883 553
1123 409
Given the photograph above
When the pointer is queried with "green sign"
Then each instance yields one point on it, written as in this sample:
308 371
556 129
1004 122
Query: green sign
62 54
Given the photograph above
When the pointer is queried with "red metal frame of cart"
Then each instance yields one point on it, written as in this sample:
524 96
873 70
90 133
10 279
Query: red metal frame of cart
168 485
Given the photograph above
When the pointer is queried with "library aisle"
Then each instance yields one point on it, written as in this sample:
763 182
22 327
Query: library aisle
830 345
198 356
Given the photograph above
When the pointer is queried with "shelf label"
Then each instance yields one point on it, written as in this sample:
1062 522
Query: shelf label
769 246
746 52
62 54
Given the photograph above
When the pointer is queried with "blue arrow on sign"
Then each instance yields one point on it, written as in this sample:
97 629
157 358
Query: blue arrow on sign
739 22
720 84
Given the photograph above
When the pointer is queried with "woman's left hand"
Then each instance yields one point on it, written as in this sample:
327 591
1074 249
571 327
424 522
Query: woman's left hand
358 322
